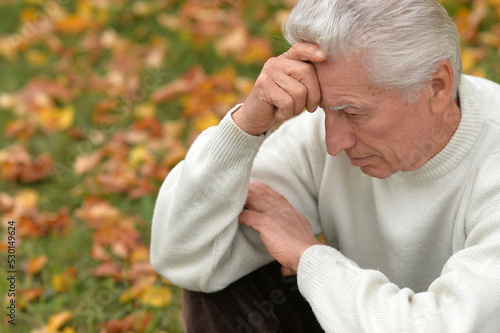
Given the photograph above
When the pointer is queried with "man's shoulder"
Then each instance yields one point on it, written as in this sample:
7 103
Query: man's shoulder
483 94
481 88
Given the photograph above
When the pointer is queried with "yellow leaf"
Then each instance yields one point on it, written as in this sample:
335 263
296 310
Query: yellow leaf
64 281
36 58
206 121
145 110
468 61
60 283
157 296
137 155
57 321
27 199
139 254
29 14
56 119
132 293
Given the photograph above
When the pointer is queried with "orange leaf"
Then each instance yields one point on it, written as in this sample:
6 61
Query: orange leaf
130 323
27 296
35 265
73 24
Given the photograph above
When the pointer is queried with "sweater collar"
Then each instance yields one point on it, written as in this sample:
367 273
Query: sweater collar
462 141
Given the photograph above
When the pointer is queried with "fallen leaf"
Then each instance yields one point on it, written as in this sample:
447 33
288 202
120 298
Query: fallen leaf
27 296
53 119
65 281
26 199
206 121
17 165
86 163
73 24
35 265
58 320
157 296
130 323
107 269
98 252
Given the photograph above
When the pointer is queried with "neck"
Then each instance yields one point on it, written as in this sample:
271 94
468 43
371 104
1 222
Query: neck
446 126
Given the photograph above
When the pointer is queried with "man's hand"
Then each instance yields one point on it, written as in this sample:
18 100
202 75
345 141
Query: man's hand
285 86
285 232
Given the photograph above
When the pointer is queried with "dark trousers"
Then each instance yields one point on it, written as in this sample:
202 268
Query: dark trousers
263 301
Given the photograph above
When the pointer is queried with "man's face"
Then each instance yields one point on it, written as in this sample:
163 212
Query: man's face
378 130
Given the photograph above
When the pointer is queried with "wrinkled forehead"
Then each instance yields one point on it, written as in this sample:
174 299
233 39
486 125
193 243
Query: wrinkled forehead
345 81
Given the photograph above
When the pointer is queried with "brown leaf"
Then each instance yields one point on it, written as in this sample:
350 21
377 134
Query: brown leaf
107 269
17 165
20 129
190 81
132 323
99 253
87 163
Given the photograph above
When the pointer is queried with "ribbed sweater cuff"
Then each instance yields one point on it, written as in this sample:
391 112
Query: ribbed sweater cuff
232 142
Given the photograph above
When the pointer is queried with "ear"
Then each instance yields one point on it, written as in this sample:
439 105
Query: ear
442 87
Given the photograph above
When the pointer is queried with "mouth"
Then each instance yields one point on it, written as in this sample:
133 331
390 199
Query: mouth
360 161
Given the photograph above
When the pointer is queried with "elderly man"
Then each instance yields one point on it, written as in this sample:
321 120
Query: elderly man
397 163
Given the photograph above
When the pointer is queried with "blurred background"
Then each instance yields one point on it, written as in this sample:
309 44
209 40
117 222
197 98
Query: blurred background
99 99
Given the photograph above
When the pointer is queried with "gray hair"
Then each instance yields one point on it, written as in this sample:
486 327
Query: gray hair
401 42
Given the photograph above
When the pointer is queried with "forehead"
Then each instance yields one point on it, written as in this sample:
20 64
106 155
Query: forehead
346 81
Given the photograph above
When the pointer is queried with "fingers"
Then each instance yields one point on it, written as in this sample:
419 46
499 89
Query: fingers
250 218
286 85
262 198
305 52
297 72
288 96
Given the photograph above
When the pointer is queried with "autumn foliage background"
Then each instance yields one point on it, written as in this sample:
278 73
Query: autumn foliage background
99 99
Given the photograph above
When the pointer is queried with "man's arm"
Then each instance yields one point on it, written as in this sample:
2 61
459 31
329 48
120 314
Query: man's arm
197 242
346 298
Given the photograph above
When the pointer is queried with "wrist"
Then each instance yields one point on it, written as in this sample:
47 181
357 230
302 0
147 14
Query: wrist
240 119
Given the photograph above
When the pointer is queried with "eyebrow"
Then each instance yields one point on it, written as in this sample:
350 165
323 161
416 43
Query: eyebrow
344 106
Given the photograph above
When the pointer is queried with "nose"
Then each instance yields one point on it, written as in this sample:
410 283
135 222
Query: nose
339 133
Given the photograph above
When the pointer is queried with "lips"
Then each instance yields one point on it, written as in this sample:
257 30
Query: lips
360 161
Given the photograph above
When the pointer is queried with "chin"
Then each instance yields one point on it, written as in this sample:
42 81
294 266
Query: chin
375 172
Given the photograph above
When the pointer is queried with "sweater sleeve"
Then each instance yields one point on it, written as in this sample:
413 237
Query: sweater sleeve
196 240
465 298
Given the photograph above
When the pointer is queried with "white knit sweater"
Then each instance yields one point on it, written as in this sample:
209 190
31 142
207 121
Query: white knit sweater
416 252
